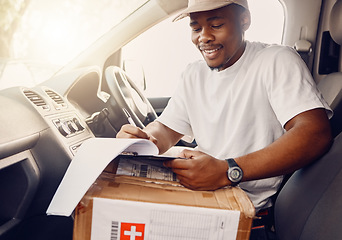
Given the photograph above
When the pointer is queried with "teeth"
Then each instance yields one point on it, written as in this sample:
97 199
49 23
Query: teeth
211 51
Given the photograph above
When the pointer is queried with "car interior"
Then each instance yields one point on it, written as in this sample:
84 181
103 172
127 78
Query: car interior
43 126
308 206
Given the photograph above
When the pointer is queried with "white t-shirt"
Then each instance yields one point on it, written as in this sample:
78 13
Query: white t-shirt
243 108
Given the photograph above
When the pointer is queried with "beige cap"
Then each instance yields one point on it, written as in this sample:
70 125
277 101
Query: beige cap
207 5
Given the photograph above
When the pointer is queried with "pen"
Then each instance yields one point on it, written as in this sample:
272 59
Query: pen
129 118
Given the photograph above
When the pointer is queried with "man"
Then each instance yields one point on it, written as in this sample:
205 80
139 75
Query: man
251 103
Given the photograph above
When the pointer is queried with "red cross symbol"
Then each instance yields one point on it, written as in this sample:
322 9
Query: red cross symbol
132 231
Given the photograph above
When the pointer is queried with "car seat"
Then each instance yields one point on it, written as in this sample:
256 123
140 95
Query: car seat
309 206
331 85
331 88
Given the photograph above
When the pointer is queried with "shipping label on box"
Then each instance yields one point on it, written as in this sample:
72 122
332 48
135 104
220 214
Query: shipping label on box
132 220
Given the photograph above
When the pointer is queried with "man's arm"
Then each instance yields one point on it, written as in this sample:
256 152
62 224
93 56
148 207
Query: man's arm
307 138
156 132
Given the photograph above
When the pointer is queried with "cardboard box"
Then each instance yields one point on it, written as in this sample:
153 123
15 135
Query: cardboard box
151 207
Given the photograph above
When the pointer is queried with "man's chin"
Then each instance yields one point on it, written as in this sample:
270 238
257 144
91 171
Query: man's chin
218 68
213 66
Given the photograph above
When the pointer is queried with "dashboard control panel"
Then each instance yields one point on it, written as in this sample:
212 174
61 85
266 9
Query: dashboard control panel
68 126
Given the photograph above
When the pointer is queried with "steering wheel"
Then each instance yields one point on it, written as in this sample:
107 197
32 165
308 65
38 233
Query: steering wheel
127 96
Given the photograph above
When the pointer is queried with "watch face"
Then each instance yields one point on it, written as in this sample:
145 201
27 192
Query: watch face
235 174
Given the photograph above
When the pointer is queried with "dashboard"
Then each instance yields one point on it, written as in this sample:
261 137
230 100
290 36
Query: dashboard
40 132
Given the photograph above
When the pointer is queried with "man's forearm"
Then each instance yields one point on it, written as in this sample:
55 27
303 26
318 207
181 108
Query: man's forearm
308 137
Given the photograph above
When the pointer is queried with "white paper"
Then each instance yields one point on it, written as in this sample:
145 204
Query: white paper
91 159
113 219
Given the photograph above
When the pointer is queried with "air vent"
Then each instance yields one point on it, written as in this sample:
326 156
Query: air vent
36 99
56 98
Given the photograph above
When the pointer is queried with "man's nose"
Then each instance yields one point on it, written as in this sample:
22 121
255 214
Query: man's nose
205 36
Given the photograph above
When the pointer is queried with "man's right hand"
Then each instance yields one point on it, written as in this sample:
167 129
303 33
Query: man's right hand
156 132
129 131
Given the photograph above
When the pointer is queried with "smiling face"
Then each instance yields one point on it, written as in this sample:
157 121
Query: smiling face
219 34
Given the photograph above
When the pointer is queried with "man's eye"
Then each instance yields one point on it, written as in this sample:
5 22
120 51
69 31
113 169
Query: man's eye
196 29
217 26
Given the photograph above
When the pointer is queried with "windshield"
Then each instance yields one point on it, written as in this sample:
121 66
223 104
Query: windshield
37 37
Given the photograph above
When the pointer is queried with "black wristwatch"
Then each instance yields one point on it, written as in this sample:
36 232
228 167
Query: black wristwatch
234 172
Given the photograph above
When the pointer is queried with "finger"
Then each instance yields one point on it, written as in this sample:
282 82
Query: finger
180 172
191 185
178 164
129 131
152 139
186 183
187 153
182 180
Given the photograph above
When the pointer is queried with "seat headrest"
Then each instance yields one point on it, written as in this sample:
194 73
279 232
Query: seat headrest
335 23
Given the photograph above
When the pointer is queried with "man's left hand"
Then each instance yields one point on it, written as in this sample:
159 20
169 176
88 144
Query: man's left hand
199 171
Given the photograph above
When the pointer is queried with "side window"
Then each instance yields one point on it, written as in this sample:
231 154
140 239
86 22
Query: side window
166 49
267 22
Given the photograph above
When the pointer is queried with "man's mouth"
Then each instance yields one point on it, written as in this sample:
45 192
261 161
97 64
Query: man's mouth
210 52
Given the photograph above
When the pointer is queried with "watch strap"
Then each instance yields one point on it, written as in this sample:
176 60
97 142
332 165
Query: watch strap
231 162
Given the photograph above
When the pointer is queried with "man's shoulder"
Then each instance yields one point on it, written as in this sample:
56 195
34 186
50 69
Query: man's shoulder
265 54
270 50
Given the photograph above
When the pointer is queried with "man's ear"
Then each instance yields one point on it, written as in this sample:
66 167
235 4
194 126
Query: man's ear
245 20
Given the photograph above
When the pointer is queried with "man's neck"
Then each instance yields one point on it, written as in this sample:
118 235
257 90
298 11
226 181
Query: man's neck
233 59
